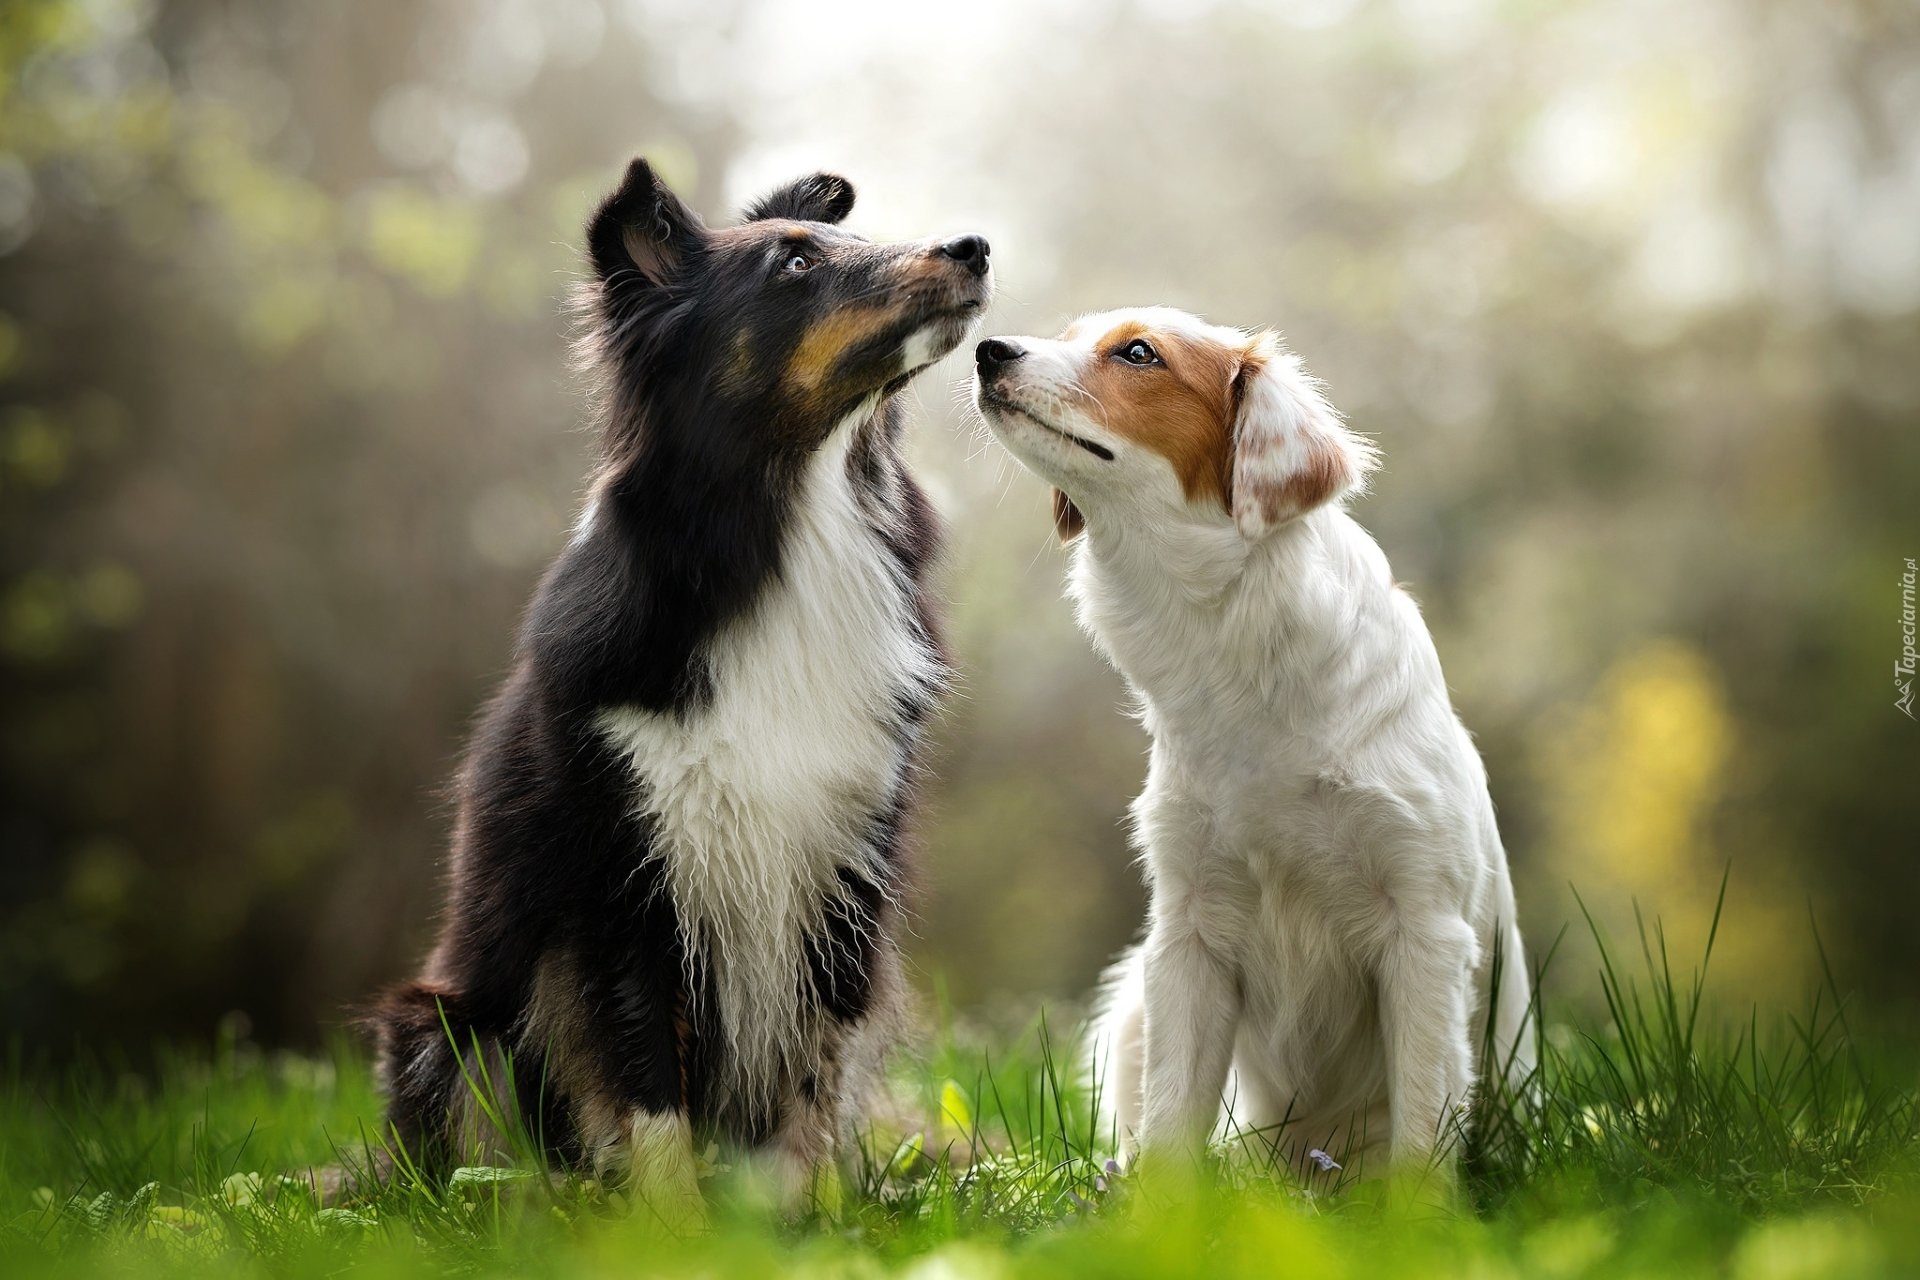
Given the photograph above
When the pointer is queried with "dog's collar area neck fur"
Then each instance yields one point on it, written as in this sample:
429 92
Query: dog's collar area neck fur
1194 562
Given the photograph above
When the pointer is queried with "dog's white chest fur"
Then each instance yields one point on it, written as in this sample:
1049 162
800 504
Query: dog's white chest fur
760 798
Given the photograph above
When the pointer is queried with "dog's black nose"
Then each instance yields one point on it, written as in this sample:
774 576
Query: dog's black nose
970 252
995 352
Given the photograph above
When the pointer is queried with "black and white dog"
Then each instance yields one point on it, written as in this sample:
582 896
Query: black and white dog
677 872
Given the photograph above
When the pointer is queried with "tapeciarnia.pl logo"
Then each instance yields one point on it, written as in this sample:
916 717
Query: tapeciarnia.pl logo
1904 664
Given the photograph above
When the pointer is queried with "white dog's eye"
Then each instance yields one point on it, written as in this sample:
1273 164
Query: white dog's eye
797 263
1140 352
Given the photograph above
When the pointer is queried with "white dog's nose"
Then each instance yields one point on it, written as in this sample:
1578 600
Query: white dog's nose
996 352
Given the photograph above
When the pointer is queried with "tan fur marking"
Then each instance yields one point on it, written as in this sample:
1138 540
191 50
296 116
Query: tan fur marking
556 1023
924 267
785 230
556 1018
830 338
738 373
1182 408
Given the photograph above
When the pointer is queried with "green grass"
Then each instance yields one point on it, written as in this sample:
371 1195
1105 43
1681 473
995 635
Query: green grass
1660 1139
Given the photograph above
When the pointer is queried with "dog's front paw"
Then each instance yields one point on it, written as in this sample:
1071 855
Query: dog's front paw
654 1165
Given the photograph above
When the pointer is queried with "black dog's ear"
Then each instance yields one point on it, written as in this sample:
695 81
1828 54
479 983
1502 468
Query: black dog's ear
818 197
642 226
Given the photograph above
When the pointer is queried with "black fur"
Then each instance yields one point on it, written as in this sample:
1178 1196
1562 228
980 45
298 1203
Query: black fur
724 369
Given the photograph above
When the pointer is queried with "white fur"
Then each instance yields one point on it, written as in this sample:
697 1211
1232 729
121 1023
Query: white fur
583 524
922 348
655 1161
1328 883
757 799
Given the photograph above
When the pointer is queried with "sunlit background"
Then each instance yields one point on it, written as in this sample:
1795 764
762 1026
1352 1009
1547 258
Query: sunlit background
1628 291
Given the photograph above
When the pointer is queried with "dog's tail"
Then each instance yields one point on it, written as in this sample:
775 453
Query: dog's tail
1117 1045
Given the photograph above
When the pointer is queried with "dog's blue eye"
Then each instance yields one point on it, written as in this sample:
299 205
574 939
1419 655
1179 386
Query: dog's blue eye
1139 351
797 263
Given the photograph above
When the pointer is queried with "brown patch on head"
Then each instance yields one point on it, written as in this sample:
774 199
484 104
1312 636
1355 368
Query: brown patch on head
810 367
785 229
738 374
1067 520
926 268
831 337
1182 408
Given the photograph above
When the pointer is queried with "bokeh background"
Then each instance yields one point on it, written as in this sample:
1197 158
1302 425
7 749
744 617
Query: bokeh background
1628 291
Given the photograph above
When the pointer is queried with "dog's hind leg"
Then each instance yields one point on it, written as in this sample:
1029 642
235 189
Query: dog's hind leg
615 1038
445 1083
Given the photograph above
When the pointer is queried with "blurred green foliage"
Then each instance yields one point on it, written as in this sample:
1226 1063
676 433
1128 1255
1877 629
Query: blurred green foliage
1629 295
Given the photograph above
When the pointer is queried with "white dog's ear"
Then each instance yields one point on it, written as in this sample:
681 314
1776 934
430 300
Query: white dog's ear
1290 451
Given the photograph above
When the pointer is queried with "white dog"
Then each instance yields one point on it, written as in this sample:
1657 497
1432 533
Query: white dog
1329 891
